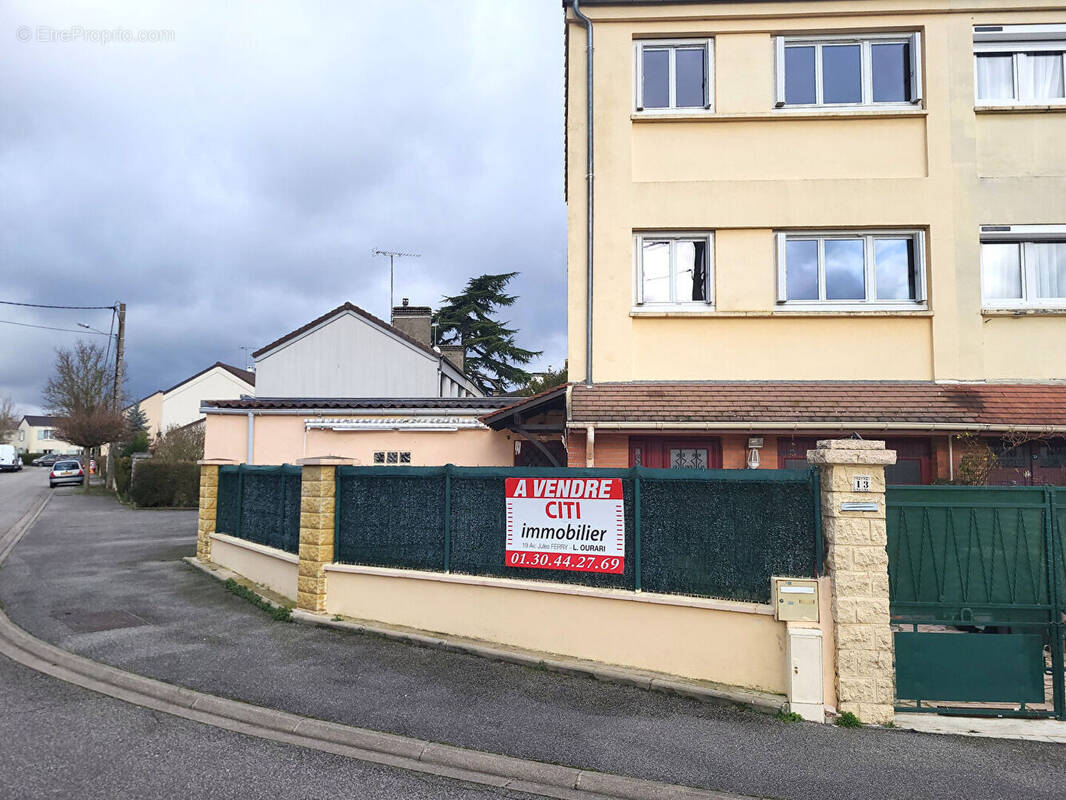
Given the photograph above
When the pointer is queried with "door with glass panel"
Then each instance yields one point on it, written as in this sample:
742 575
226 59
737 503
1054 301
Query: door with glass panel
662 453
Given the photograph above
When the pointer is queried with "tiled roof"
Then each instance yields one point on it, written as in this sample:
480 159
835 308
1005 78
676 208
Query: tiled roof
978 404
339 403
38 421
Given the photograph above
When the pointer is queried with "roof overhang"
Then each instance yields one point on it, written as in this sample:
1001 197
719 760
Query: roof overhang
425 424
512 416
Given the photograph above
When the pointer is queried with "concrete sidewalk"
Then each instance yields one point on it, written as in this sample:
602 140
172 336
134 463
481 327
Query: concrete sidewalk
108 583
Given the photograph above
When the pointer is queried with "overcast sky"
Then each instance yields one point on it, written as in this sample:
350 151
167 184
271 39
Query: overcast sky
229 185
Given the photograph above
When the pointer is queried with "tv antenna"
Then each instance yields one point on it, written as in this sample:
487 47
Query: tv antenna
393 255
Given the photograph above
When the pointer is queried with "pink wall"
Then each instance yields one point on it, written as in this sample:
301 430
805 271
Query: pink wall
281 439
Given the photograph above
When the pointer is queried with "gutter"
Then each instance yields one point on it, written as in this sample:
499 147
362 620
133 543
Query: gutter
815 426
589 173
350 412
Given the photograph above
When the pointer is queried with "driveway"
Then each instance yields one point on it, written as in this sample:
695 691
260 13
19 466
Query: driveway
108 583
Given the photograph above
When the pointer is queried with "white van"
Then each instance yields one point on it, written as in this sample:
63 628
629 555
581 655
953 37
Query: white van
10 461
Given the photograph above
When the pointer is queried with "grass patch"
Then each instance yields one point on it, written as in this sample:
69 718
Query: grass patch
279 613
849 720
789 716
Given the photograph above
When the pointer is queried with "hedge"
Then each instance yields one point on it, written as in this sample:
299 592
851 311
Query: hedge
123 465
158 484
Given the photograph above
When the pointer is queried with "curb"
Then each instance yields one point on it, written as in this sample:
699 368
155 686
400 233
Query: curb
417 755
763 702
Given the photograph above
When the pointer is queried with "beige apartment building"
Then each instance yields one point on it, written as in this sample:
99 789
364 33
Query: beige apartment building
817 218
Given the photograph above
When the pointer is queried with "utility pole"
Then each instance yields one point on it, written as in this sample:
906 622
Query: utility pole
116 390
392 255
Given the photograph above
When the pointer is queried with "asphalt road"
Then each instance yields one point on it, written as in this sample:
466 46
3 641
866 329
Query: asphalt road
61 741
19 491
106 582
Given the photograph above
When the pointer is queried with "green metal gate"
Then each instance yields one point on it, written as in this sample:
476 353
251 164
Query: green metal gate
977 583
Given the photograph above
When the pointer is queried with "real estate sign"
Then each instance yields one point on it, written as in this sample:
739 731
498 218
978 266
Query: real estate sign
566 523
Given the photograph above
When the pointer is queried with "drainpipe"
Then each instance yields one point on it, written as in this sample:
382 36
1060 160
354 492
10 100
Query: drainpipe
588 189
251 437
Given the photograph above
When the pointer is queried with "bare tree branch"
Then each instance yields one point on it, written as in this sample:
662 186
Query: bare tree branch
80 394
9 417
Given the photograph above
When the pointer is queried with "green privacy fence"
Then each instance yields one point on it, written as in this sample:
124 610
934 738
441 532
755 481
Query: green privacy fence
984 553
260 504
712 533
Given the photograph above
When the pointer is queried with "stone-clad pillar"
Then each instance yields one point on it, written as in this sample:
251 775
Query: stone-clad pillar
205 525
856 560
317 498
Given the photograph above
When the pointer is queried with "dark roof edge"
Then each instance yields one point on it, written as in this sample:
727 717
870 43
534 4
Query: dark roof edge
366 315
244 375
570 3
531 402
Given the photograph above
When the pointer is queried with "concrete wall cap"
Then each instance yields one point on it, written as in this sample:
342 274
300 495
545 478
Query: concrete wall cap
215 462
325 461
850 444
871 457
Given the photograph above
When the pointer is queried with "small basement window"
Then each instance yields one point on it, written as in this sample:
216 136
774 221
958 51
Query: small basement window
859 270
857 70
1023 266
387 457
1019 64
674 269
674 75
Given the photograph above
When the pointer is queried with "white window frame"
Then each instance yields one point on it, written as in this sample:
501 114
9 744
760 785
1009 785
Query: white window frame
673 44
638 271
866 42
919 303
1021 234
1018 41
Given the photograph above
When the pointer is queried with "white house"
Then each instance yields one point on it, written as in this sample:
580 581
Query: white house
180 404
37 434
349 352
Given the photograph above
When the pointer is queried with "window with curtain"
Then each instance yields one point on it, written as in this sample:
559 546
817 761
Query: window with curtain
674 75
859 70
674 269
1024 268
859 269
1020 64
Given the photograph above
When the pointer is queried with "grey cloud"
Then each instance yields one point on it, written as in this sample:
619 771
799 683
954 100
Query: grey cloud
229 185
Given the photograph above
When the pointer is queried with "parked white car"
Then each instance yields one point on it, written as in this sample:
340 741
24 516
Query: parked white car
10 461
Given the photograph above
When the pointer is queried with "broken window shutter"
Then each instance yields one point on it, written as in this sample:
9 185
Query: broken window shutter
779 68
916 68
779 246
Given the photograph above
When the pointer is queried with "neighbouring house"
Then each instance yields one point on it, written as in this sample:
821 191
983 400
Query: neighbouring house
349 384
37 434
179 405
817 220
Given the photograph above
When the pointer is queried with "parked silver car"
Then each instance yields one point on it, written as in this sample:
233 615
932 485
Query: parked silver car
64 472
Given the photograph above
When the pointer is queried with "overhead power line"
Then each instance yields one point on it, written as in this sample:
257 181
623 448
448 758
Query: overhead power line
42 305
50 328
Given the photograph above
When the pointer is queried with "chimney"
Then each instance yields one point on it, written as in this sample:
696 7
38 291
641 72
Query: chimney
414 321
455 353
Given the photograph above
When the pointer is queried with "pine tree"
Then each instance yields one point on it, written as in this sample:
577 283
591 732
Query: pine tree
493 360
137 419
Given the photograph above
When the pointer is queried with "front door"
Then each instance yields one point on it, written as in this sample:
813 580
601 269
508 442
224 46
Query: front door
663 453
